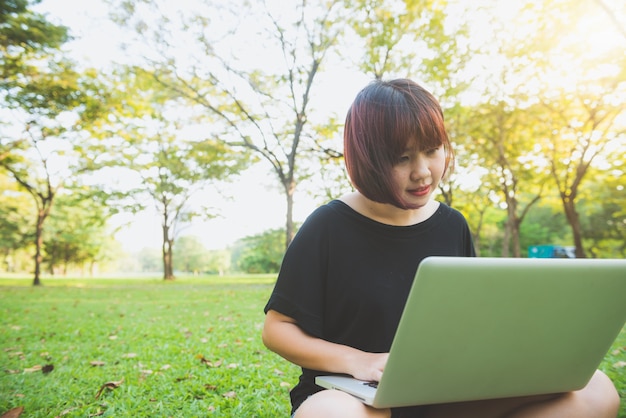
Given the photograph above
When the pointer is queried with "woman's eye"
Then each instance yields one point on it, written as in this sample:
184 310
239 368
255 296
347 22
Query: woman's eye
432 151
403 159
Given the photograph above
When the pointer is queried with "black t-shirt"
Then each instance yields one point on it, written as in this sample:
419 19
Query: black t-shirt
345 277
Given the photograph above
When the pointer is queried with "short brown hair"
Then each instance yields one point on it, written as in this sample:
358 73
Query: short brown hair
383 118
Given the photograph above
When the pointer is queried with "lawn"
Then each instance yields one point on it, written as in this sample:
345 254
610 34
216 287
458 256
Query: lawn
144 347
190 348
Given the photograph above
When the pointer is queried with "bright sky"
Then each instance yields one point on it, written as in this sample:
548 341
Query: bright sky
255 205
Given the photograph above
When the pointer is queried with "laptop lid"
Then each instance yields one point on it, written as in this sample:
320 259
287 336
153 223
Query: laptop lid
481 328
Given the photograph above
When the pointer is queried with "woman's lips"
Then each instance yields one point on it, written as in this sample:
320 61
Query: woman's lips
421 191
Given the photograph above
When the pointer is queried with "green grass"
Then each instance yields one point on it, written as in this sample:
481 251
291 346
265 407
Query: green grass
188 348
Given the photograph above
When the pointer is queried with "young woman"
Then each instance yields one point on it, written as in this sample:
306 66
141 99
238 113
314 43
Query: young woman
346 275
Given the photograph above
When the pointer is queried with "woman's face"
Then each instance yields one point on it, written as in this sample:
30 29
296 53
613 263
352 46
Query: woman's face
417 174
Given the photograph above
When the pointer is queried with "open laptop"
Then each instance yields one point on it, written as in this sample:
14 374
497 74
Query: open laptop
482 328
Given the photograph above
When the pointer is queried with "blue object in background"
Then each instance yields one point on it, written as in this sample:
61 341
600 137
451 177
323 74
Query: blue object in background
551 251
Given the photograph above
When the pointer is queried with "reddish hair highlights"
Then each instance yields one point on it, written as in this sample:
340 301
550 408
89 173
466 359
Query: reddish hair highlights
383 118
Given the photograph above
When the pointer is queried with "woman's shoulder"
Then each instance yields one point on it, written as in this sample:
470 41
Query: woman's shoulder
446 210
328 212
449 214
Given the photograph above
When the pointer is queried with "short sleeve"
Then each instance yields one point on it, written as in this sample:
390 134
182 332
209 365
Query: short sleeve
300 287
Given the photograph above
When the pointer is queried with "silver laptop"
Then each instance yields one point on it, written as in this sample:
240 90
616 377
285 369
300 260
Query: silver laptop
482 328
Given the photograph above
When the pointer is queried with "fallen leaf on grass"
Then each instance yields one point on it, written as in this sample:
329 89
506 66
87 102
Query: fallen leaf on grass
33 369
13 413
17 354
619 364
129 355
97 363
209 363
109 385
38 367
230 395
285 384
66 411
98 413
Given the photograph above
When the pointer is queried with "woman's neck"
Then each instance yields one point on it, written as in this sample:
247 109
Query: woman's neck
389 214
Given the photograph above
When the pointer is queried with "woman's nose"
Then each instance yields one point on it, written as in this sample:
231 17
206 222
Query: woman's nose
419 169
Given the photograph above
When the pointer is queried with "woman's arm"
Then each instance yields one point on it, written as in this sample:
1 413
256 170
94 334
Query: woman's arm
282 335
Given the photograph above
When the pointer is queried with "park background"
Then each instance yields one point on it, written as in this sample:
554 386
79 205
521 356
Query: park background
143 140
195 136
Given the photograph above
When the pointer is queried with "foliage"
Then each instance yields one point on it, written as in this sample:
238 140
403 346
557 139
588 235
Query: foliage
42 92
260 105
139 137
14 232
193 258
261 253
77 235
534 98
150 260
25 36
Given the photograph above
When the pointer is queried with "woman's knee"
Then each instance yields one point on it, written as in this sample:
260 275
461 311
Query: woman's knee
333 403
601 396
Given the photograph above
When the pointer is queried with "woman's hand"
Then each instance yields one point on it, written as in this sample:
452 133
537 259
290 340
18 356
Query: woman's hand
367 366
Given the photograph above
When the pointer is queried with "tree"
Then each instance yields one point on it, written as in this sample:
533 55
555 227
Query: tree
193 257
583 119
261 105
25 37
410 38
261 253
42 92
502 136
41 157
160 158
14 229
191 254
77 233
603 202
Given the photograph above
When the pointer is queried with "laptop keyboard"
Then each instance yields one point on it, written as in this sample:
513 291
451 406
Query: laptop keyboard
371 384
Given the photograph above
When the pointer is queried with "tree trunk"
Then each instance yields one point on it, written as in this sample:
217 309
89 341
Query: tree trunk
513 226
574 221
506 239
166 251
41 216
290 188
